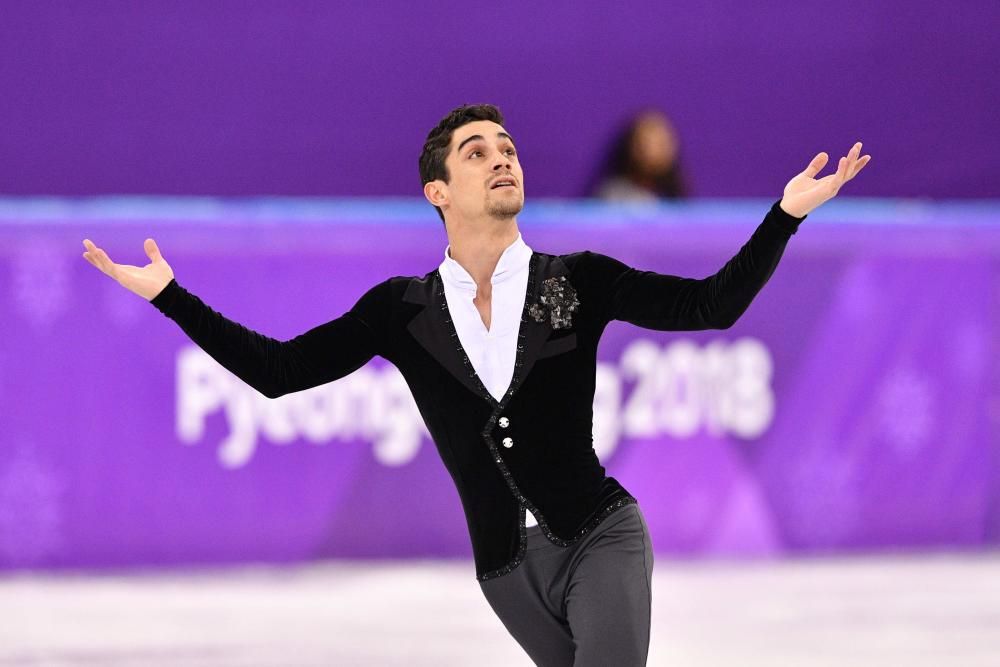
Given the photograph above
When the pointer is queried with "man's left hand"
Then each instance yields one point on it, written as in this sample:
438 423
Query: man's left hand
804 193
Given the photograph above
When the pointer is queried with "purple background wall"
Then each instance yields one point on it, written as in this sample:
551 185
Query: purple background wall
318 98
885 385
854 407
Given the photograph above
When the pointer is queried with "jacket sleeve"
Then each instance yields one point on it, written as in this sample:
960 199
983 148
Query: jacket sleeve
275 368
672 303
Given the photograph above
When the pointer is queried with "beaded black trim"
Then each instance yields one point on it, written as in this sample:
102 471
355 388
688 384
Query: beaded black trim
498 408
617 504
483 391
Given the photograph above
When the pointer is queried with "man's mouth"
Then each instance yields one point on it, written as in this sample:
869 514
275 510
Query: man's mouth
503 183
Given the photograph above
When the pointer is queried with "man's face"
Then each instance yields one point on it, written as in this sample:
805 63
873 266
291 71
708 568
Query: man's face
480 158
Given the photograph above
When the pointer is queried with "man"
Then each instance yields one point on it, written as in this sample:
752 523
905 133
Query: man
498 345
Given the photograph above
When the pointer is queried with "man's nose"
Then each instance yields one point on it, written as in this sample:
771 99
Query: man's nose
501 162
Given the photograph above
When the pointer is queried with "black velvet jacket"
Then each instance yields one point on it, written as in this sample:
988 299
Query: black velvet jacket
534 448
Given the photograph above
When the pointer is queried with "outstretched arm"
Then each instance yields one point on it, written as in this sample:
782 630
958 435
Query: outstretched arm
672 303
272 367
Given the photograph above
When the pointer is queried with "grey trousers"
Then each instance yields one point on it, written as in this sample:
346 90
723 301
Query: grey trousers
583 605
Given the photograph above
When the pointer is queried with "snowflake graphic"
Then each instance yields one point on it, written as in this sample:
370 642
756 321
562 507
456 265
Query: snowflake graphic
40 281
31 514
905 402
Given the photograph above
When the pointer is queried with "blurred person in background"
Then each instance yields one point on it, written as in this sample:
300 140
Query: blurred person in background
643 163
498 346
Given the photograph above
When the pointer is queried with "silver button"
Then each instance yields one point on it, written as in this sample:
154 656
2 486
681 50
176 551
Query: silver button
508 442
504 422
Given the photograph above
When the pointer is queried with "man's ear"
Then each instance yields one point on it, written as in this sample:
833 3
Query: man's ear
436 192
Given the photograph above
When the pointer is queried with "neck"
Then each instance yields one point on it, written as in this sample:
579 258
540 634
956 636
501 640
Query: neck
478 247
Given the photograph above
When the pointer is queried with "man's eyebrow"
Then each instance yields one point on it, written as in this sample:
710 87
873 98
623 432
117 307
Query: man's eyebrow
479 136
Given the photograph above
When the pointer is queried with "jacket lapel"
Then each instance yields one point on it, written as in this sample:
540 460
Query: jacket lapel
535 333
431 327
434 330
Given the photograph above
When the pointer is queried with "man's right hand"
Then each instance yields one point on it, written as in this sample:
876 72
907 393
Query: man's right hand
146 281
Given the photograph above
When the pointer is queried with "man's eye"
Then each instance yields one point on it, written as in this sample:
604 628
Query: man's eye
508 150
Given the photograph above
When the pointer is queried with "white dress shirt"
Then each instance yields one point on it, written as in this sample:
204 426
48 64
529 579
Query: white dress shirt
492 351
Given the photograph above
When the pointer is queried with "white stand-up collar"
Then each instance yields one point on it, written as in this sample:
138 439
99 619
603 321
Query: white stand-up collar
513 259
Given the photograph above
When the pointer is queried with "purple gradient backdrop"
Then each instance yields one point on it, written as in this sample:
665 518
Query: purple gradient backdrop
315 98
853 407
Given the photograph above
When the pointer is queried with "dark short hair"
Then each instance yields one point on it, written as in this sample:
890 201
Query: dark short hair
438 141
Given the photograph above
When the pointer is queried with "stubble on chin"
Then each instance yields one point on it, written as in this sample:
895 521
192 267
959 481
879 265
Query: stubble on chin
504 209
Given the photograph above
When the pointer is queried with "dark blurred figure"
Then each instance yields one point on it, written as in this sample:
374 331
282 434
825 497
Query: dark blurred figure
643 162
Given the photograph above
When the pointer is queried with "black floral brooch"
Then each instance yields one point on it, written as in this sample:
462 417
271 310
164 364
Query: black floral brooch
557 302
